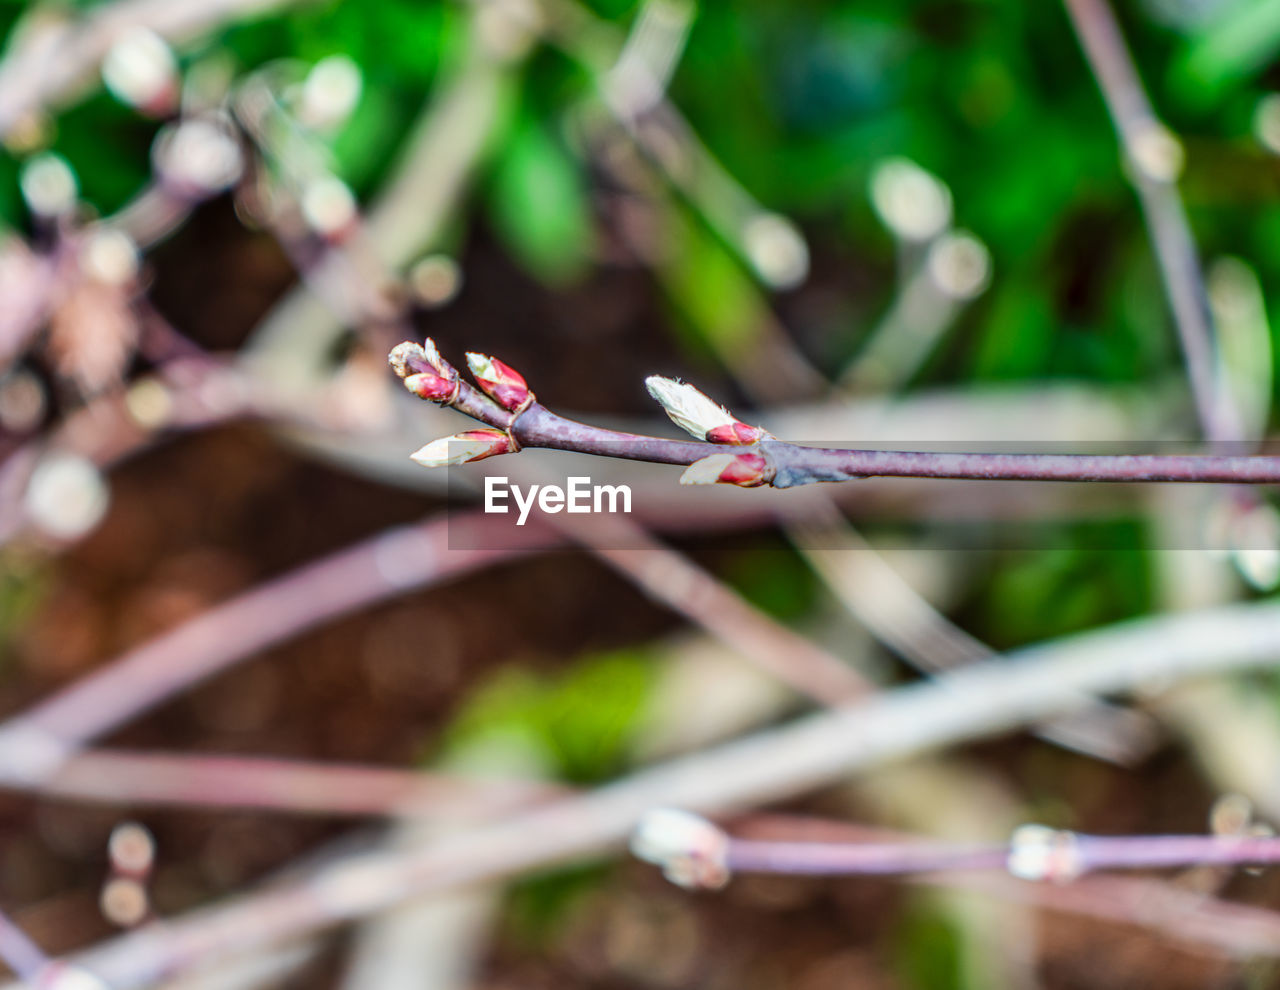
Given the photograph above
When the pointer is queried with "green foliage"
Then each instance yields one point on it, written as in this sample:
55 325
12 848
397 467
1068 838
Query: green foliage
581 719
927 953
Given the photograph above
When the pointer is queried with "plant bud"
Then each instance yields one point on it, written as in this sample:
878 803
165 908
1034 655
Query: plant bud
463 448
699 415
1037 852
140 70
500 381
691 851
743 470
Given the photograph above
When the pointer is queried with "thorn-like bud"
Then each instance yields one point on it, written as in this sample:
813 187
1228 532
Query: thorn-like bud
696 414
743 470
691 851
426 374
463 448
500 381
1037 852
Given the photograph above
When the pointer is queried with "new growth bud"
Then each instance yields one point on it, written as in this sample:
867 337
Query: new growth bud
699 415
425 373
691 851
1037 852
463 448
500 381
140 70
743 470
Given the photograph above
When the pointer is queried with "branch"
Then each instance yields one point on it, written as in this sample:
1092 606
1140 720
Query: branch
978 701
695 853
518 420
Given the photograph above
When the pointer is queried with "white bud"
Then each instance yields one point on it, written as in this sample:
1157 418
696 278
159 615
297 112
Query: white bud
109 256
131 848
1157 151
124 902
328 206
913 203
67 496
330 92
688 408
452 451
1266 122
200 155
140 70
48 185
959 265
691 851
1255 545
708 470
435 280
1037 852
777 250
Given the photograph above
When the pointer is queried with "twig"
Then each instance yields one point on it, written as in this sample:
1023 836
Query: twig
695 853
977 701
51 64
37 742
765 461
1154 158
292 786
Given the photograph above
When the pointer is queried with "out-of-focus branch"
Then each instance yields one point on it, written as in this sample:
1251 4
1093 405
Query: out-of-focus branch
981 700
54 59
35 743
292 786
1155 159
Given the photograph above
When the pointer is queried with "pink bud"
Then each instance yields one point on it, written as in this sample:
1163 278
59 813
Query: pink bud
500 381
426 374
743 470
737 432
430 386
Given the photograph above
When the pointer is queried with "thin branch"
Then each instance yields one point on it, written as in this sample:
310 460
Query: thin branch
1154 158
784 465
978 701
199 780
37 742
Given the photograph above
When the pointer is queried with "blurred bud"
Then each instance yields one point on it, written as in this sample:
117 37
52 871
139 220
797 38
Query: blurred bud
131 848
62 976
66 496
435 280
31 131
698 415
109 256
149 403
200 157
124 902
328 207
914 204
1254 537
959 265
1157 152
777 250
49 186
743 470
329 93
508 28
1037 852
1231 814
22 402
1266 122
463 448
140 70
690 850
500 381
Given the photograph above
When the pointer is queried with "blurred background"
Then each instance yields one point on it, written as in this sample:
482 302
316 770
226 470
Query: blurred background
905 222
